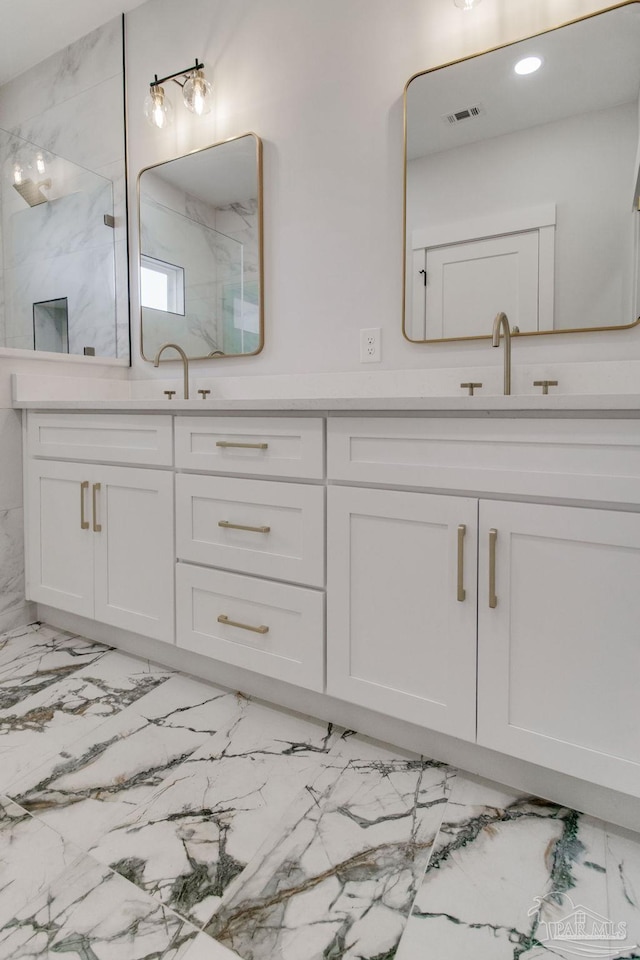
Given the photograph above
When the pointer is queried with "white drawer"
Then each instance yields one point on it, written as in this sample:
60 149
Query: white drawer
592 460
264 446
286 521
104 438
274 629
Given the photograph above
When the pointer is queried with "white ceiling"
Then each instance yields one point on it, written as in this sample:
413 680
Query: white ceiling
34 29
591 65
225 173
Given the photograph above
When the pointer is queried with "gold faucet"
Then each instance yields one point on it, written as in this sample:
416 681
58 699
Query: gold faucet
185 363
502 321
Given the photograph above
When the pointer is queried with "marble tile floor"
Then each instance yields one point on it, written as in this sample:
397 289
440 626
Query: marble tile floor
147 815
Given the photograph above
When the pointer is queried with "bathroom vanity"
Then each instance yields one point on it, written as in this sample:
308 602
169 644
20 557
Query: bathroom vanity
478 571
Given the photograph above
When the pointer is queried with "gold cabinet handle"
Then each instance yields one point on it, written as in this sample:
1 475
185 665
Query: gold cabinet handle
97 527
84 523
462 529
241 526
223 618
244 446
493 600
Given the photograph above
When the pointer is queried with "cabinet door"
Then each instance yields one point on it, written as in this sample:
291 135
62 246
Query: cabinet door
59 536
559 654
134 555
401 637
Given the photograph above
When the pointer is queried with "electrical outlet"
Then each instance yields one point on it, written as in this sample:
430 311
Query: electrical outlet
370 345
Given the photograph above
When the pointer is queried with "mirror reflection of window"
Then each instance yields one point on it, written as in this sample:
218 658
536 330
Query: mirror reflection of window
161 285
204 212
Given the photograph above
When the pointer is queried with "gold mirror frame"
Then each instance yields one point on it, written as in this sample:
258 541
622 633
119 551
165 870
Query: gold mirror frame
153 166
451 63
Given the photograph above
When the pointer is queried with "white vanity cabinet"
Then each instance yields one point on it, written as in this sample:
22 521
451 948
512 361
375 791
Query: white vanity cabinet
558 606
481 573
250 548
401 629
99 537
559 653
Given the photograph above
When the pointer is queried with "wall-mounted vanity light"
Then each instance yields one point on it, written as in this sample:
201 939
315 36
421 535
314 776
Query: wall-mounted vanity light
196 93
466 4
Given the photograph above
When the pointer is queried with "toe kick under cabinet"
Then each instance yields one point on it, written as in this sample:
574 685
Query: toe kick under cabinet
529 613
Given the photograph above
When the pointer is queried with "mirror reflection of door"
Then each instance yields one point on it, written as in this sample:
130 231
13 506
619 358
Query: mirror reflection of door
485 143
464 274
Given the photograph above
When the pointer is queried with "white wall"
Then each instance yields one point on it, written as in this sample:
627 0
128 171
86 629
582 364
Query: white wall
321 82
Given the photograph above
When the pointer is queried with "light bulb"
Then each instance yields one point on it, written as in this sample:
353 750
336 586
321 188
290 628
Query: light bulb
40 164
197 93
466 4
528 65
157 109
18 173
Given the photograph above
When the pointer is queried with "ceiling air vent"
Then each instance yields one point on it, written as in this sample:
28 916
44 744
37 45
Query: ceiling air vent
468 113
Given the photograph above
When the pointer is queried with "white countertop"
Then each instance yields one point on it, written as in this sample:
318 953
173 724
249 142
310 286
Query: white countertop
585 389
552 404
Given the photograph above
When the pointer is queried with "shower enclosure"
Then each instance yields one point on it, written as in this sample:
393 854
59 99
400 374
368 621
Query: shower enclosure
57 253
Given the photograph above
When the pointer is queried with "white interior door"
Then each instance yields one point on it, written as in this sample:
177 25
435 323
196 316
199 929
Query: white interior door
401 637
559 654
134 550
468 283
59 536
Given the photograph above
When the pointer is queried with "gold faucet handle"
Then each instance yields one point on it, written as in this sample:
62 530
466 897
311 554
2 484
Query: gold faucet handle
545 384
170 394
204 393
471 387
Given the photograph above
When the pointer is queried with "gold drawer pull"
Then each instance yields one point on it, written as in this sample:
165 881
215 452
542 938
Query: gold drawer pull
97 527
493 600
84 523
245 446
241 526
223 618
462 529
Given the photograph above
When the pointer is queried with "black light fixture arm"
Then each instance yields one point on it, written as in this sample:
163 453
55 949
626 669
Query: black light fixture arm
174 76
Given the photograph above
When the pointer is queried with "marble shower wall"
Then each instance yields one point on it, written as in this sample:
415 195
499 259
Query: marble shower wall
218 249
14 610
72 106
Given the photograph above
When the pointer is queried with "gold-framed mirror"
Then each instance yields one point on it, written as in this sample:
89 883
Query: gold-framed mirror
201 252
521 190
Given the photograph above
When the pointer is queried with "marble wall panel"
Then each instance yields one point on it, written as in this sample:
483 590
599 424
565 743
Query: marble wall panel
80 66
86 279
13 608
11 472
72 105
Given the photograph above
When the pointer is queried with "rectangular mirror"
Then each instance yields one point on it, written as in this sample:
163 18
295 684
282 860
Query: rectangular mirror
201 252
521 188
62 202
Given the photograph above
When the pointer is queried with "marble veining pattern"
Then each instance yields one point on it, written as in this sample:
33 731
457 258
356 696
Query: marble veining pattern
507 866
208 819
154 816
339 878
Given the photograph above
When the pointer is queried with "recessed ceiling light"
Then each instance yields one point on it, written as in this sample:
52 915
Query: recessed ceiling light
528 65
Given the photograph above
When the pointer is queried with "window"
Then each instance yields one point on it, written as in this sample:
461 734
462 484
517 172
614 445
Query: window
161 285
